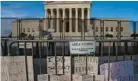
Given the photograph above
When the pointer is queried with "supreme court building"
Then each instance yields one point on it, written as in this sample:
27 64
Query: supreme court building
71 17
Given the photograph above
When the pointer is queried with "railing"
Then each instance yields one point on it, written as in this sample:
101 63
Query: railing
107 50
85 28
40 52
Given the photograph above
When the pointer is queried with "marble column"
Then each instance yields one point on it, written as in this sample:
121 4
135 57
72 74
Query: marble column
45 20
52 15
63 19
76 16
70 20
82 17
82 13
57 27
88 16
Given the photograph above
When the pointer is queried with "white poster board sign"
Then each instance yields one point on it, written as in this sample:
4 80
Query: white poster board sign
59 78
82 47
51 65
30 68
28 45
13 68
99 78
79 77
43 77
119 71
80 65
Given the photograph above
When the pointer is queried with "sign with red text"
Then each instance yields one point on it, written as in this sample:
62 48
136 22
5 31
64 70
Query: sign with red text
118 71
82 47
80 65
53 63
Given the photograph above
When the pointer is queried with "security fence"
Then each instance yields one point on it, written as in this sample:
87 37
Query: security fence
28 38
121 48
69 28
42 53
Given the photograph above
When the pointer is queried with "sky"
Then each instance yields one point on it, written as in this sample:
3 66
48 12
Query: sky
35 9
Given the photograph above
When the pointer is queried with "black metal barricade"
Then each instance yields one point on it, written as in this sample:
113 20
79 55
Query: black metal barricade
40 51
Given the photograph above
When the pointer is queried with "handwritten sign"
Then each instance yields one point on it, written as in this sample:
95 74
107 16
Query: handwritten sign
54 78
28 45
13 68
80 65
82 47
79 77
43 77
30 68
59 77
52 65
98 77
118 71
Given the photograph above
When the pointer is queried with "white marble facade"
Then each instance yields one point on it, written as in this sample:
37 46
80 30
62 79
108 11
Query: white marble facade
71 12
69 17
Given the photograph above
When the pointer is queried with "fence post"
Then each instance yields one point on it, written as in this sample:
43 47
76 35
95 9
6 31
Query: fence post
126 50
114 48
37 49
100 49
109 52
5 48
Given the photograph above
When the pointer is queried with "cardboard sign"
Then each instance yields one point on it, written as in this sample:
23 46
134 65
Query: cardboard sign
28 45
52 65
59 78
13 68
82 47
79 77
80 65
30 68
118 71
99 78
43 77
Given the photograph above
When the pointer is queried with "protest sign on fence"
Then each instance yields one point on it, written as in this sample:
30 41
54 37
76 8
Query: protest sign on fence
79 77
80 65
13 68
22 45
30 68
52 64
118 71
43 77
82 47
99 78
59 78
